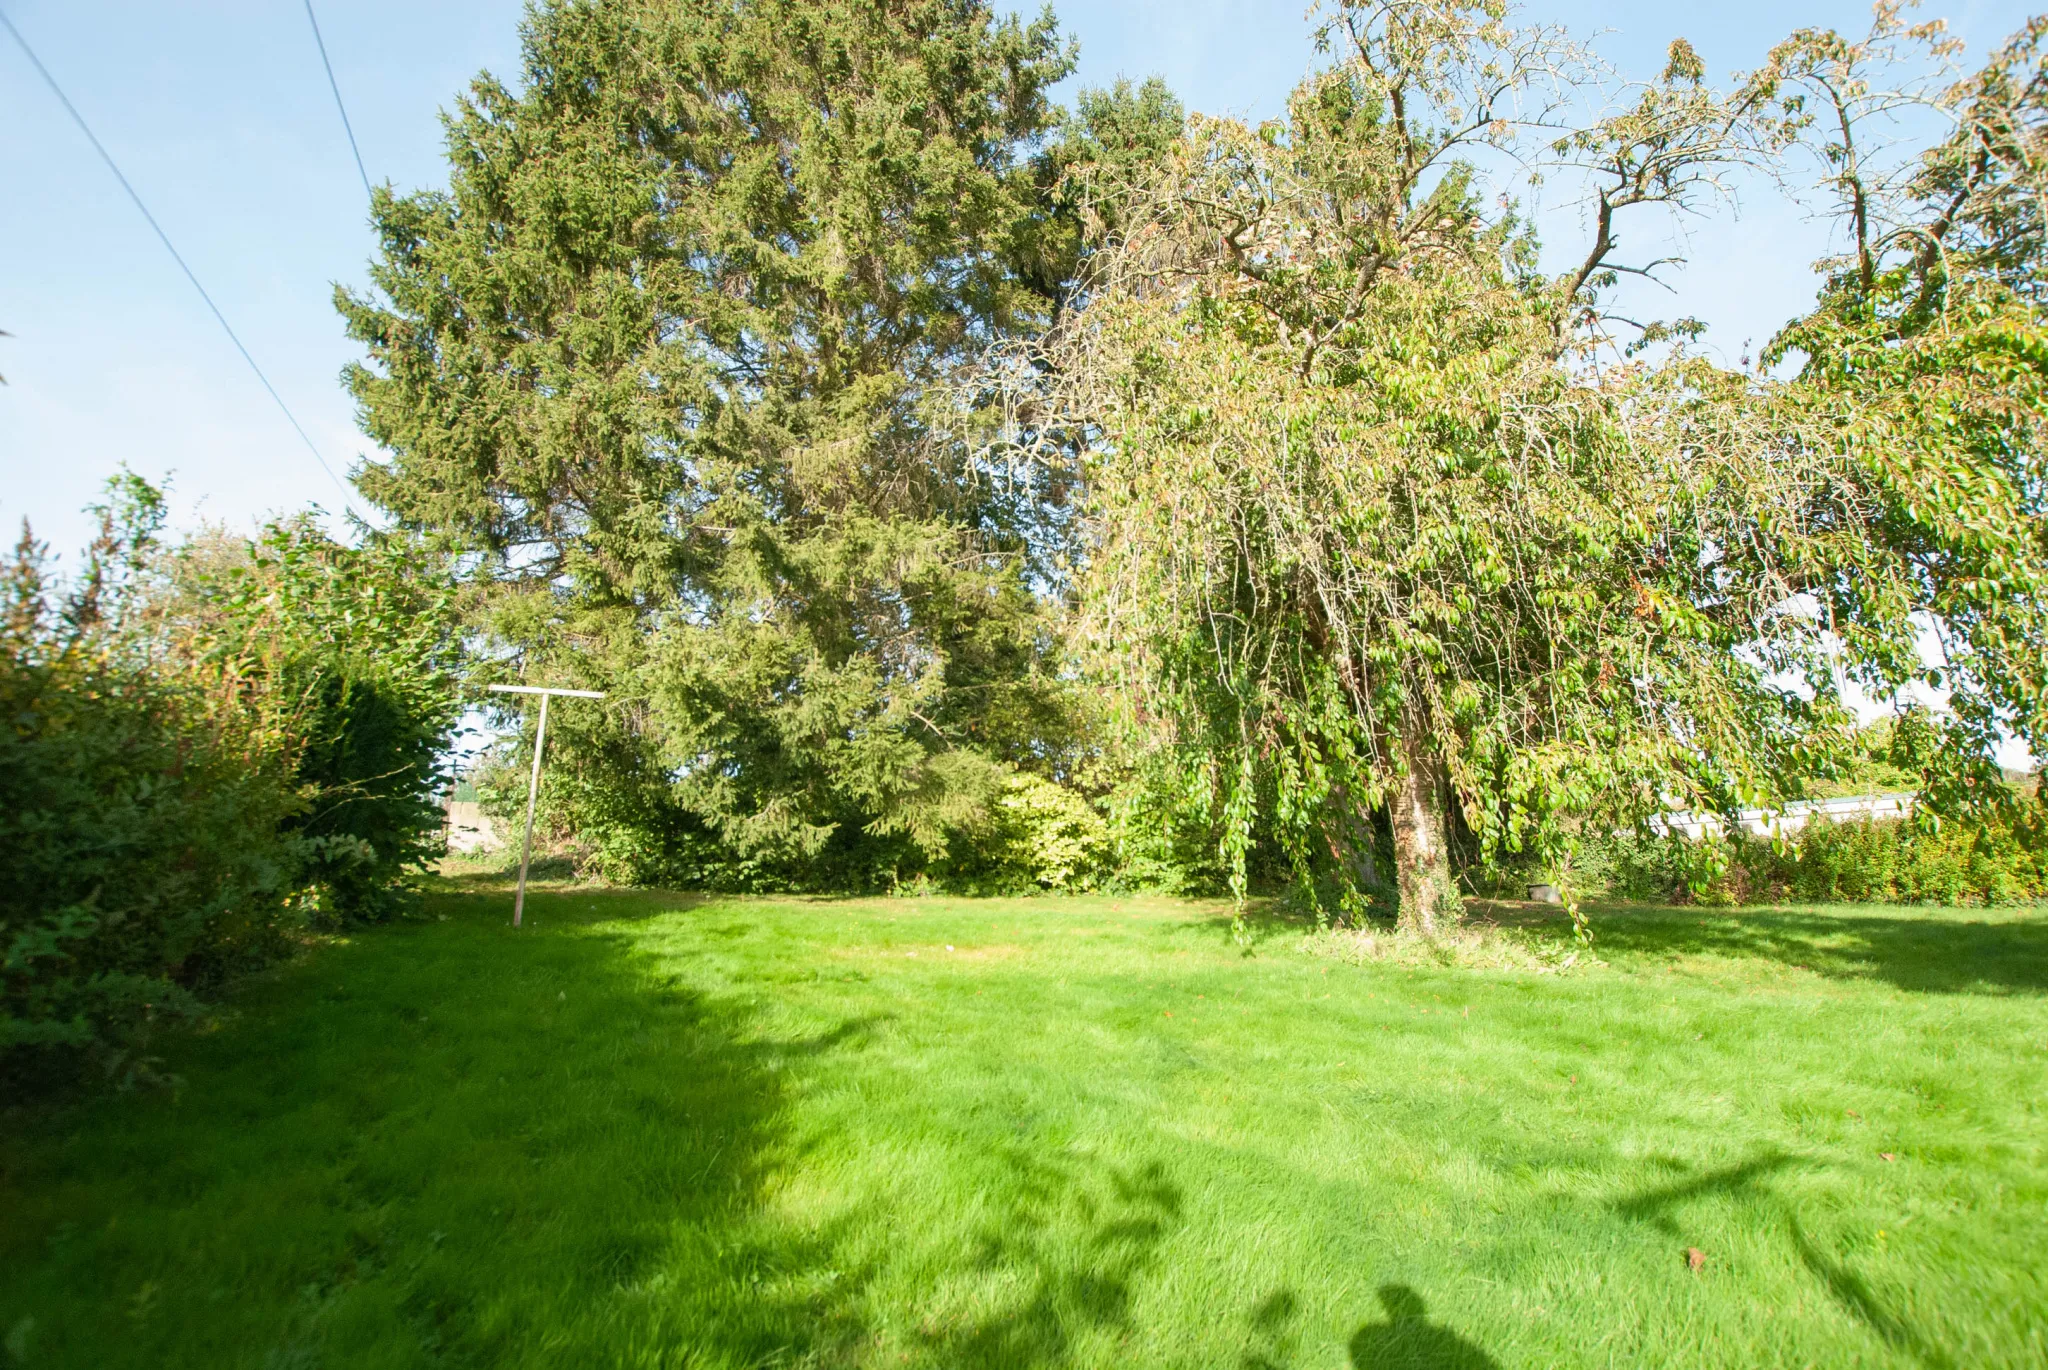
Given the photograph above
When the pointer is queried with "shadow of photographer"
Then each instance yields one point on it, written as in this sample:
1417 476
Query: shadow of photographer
1408 1340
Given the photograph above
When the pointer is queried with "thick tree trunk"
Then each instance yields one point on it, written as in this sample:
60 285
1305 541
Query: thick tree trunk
1422 868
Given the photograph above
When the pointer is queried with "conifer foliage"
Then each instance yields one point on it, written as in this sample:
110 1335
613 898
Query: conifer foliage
666 360
801 376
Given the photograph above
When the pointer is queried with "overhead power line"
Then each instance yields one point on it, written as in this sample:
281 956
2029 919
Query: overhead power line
335 86
169 247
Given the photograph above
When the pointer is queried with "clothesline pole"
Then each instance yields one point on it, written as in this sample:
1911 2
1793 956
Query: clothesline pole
540 742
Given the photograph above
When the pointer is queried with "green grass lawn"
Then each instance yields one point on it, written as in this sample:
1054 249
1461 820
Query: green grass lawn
651 1130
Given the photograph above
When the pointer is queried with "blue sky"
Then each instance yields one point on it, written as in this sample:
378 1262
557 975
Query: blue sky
220 114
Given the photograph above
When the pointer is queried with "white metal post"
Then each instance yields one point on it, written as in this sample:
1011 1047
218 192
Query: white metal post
540 741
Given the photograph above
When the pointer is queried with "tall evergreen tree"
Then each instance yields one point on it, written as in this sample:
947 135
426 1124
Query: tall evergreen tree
672 359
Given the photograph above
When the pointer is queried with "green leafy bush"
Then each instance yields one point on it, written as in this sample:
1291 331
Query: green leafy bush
141 858
144 860
1992 861
1989 862
1054 835
1044 836
200 753
357 647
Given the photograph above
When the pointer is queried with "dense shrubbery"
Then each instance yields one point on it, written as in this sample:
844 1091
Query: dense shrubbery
200 752
139 817
358 650
1141 834
1124 832
1994 861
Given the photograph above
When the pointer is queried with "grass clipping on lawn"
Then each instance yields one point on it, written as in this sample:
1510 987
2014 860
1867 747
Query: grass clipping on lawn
1476 944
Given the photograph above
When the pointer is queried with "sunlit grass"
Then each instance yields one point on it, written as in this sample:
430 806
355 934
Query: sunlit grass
652 1130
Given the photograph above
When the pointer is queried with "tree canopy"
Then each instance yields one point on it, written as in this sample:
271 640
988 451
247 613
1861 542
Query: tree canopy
883 437
1387 538
662 359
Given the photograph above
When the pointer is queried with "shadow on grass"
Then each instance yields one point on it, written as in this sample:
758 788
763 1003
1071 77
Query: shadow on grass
1855 1295
472 874
1263 921
1408 1340
1905 948
1274 1330
454 1143
1657 1207
443 1142
577 905
585 1134
1915 950
702 1265
1654 1206
1074 1237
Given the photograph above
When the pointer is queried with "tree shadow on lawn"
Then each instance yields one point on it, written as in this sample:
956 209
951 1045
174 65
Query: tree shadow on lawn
565 904
1264 921
458 1143
1904 947
1917 950
503 873
1658 1207
706 1268
1655 1206
1073 1240
698 1135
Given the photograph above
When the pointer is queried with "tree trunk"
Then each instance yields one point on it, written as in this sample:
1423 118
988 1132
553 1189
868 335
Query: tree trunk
1350 836
1422 868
